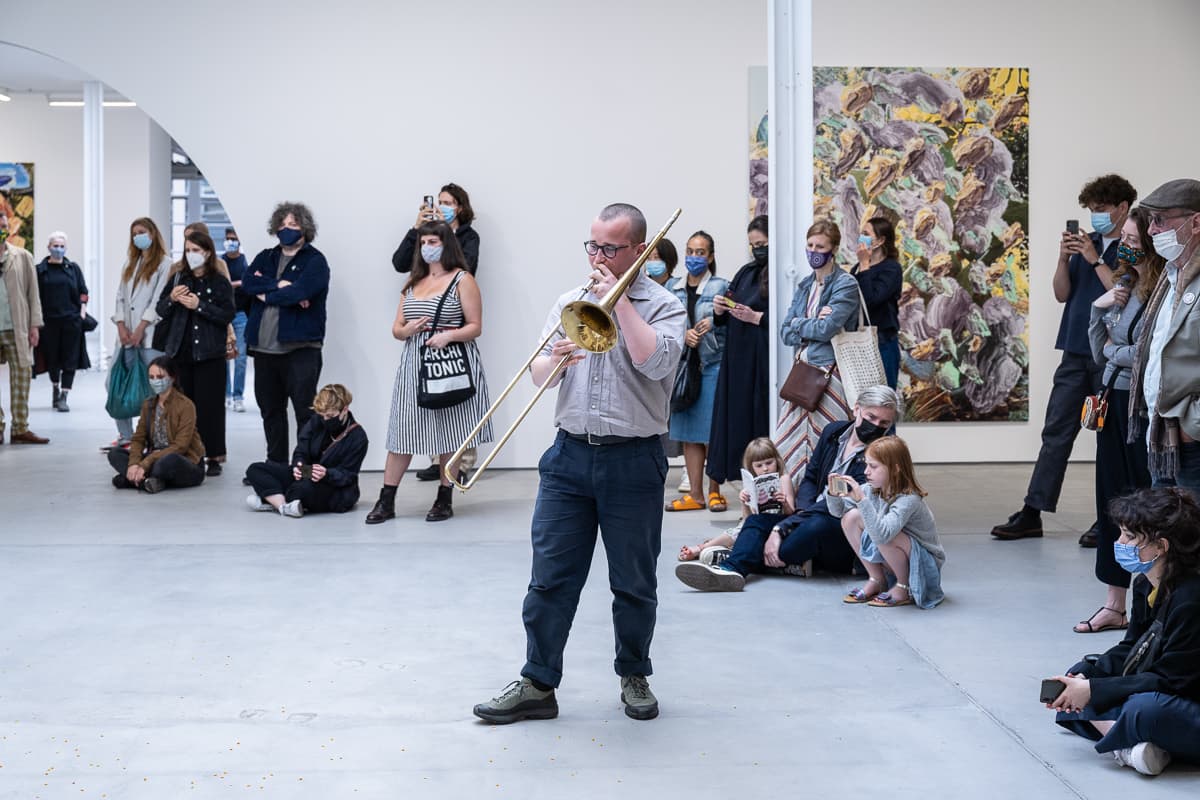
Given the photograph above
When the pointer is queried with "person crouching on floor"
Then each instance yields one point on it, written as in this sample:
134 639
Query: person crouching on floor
891 529
166 451
323 475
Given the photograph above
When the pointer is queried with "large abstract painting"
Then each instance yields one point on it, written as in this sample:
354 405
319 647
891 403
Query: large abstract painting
943 154
16 201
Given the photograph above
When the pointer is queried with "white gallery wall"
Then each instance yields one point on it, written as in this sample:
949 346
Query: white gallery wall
545 111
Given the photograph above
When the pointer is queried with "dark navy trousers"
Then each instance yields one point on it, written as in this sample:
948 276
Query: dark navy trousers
1171 722
615 490
818 538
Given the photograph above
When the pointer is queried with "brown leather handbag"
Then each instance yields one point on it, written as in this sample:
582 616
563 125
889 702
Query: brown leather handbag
805 384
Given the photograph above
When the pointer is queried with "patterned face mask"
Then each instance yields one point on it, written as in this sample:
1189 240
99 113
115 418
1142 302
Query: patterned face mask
1130 255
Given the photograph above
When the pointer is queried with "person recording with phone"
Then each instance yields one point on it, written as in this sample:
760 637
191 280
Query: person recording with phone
1084 272
1140 700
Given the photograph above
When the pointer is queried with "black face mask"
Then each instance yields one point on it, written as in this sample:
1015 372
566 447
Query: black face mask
868 431
333 425
760 254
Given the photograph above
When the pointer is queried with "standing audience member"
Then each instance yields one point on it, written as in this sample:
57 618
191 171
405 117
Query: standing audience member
660 264
825 304
890 528
166 451
1116 323
235 265
454 208
812 536
195 309
146 266
1165 389
64 295
285 329
323 475
605 471
704 343
1140 700
741 403
881 278
1084 272
439 278
20 321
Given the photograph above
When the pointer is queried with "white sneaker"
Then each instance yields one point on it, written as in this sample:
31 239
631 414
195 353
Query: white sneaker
228 403
1146 757
685 485
238 405
256 503
292 509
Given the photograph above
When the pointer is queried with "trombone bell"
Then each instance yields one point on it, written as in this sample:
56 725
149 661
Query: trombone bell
590 326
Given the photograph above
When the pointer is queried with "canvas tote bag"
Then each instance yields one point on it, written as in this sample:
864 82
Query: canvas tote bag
857 352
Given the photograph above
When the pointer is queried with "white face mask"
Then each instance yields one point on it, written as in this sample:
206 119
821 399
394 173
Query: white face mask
196 260
1166 243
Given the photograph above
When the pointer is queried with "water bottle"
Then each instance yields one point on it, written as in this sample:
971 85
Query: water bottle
1114 314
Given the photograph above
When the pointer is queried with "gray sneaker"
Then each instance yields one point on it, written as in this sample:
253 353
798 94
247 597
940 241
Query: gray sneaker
519 700
714 555
640 702
292 509
153 485
704 578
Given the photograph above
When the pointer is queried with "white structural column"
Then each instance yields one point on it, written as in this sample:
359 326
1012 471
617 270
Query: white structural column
790 164
93 206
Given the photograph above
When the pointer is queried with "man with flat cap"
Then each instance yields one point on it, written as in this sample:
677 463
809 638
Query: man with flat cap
1165 390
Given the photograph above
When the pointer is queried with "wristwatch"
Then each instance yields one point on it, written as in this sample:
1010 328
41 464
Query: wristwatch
1099 264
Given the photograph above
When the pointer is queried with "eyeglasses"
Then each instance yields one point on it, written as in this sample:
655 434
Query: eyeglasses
1158 220
610 250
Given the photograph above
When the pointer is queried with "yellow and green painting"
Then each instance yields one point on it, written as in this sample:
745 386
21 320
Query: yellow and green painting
943 154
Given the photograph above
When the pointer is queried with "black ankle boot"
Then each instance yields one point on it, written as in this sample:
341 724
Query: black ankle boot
385 506
442 508
57 394
61 405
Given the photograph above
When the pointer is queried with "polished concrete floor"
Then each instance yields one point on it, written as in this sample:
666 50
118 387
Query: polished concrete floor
179 645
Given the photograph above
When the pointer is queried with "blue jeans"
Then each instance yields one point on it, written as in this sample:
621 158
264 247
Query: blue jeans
618 489
1189 470
1172 723
889 351
235 373
818 538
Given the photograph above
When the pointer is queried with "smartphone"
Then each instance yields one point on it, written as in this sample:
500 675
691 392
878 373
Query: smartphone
305 472
1073 227
1051 689
429 205
727 301
838 487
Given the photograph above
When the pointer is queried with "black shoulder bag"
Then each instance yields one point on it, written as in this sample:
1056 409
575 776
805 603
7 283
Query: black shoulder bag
688 376
445 377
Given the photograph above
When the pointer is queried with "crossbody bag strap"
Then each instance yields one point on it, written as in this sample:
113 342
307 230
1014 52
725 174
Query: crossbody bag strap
337 439
864 319
1112 379
437 315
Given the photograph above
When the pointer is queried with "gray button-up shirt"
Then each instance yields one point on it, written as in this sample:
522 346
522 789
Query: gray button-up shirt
607 394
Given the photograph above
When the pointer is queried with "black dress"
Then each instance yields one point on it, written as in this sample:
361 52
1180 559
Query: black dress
741 410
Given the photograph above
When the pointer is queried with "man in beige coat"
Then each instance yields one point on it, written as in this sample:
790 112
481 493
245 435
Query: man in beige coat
20 321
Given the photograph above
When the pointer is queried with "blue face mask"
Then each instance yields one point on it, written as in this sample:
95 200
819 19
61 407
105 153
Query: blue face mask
288 236
1102 222
817 260
656 269
142 241
58 252
866 241
696 265
1129 556
448 213
231 246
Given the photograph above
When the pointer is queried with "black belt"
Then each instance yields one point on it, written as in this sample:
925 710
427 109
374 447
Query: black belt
593 439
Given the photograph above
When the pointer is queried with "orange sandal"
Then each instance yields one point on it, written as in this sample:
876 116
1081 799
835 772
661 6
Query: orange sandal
685 503
716 502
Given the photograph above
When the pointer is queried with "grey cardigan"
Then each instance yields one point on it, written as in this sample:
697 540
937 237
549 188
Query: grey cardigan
840 293
1120 353
884 521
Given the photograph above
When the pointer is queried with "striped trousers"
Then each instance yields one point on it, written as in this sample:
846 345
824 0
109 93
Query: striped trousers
798 429
18 384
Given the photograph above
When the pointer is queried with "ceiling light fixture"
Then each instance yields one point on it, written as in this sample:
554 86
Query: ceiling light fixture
72 102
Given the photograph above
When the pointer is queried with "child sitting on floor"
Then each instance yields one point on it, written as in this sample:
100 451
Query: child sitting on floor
760 458
890 528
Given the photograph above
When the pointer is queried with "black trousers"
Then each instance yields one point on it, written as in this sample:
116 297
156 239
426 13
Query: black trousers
204 384
174 470
269 477
277 379
59 343
1076 377
1120 468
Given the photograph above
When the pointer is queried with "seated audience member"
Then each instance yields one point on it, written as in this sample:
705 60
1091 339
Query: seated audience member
812 534
166 451
890 528
1140 700
323 475
761 458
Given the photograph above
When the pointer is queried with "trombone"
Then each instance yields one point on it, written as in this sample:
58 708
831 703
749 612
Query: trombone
589 325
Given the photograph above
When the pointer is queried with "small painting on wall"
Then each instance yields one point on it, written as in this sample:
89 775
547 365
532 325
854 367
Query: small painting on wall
16 201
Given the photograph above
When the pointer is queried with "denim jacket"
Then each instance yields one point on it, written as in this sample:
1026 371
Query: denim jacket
712 344
840 293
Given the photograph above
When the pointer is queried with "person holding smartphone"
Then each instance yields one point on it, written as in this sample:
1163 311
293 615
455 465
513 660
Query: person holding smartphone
1084 272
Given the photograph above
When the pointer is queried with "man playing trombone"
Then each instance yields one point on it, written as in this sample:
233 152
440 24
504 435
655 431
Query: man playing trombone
604 472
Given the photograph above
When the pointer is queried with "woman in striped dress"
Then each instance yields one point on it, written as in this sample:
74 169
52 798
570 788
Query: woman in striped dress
825 303
439 268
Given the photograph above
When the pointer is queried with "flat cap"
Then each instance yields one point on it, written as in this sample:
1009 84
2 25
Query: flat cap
1179 193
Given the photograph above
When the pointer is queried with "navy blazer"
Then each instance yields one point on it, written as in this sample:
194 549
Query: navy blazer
308 274
816 474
